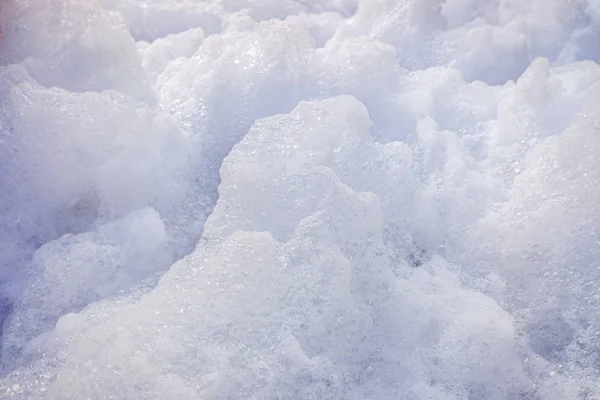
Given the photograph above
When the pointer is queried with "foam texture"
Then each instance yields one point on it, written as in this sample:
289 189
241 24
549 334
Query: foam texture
285 199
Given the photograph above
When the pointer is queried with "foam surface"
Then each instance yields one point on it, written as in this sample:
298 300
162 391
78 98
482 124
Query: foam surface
342 199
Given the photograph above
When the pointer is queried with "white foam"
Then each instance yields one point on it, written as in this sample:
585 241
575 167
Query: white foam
377 199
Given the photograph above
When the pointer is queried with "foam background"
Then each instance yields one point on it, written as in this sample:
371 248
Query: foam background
337 199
